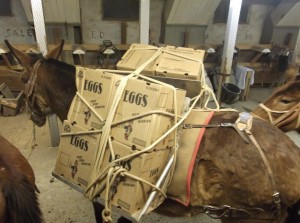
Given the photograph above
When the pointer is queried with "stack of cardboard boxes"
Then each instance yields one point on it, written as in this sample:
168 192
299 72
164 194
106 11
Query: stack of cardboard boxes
144 113
88 112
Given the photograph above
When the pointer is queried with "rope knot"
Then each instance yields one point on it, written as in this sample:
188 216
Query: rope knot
106 216
116 167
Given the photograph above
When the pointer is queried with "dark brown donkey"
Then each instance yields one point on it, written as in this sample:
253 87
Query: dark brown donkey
18 199
230 179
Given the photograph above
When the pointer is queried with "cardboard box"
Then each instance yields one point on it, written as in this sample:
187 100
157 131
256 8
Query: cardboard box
129 194
186 66
136 56
81 115
138 98
192 87
98 89
76 153
177 62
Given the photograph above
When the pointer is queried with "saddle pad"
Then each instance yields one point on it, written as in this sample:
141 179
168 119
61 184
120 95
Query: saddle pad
179 188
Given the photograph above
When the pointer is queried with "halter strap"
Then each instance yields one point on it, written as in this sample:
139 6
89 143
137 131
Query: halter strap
286 117
269 112
289 116
31 83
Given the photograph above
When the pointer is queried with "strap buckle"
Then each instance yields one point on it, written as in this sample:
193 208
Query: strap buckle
276 198
225 211
226 124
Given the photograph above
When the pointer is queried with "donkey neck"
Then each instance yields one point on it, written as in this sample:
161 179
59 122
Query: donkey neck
59 86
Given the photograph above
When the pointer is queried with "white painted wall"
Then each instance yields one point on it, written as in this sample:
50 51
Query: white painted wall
247 33
215 33
95 30
190 12
62 11
15 28
280 33
286 14
175 35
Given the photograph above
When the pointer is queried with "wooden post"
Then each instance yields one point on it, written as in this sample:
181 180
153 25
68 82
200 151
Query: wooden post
144 21
123 32
229 43
40 31
186 36
245 92
296 54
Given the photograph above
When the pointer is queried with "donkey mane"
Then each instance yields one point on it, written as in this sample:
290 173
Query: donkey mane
20 196
62 73
67 69
22 202
59 82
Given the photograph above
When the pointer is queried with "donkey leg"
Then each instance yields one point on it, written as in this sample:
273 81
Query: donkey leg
293 213
123 220
98 208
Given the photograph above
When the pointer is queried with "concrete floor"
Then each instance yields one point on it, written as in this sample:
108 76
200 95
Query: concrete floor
59 202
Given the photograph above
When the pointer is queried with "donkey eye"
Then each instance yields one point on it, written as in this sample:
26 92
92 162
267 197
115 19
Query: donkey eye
285 101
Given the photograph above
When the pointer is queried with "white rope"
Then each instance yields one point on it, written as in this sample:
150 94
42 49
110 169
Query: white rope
89 106
112 170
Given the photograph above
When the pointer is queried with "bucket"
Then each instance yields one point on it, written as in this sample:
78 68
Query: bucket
230 93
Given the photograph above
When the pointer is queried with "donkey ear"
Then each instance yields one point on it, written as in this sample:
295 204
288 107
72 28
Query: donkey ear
55 52
24 59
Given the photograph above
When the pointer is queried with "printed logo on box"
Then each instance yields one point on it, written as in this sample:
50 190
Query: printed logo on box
128 129
87 114
67 128
74 168
79 143
93 86
136 98
124 163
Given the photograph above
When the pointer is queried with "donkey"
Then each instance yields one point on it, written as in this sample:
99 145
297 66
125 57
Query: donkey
230 179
